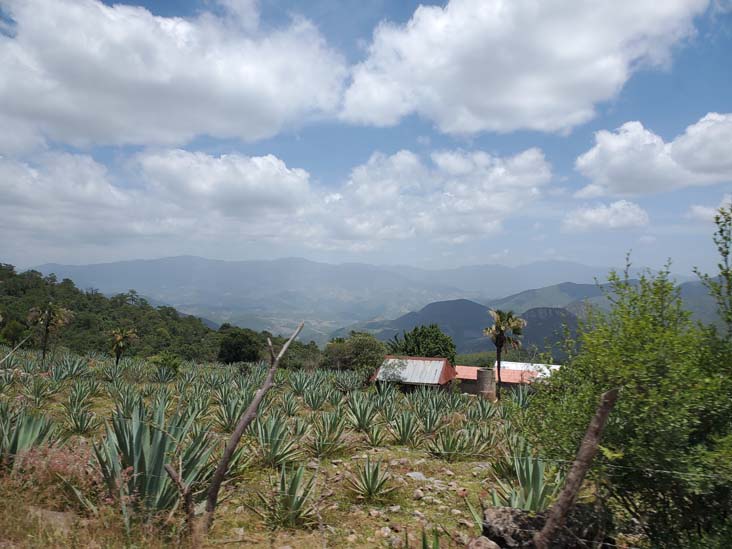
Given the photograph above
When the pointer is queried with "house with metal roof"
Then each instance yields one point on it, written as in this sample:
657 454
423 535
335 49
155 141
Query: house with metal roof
512 374
415 370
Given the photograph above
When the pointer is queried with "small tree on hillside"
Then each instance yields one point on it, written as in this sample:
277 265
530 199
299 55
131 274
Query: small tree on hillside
360 351
720 286
121 339
425 341
49 321
239 346
506 331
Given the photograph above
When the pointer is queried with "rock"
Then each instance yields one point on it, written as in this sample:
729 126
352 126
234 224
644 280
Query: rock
510 528
238 532
312 464
384 532
482 543
239 510
60 521
442 508
448 472
418 514
397 528
416 475
404 461
395 508
420 461
456 512
461 492
466 523
393 462
375 513
352 538
336 461
396 542
418 494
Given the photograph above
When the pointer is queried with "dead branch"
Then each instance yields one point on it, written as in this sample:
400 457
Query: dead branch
212 495
585 455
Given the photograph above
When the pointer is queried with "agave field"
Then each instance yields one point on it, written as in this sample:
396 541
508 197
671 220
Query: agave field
330 460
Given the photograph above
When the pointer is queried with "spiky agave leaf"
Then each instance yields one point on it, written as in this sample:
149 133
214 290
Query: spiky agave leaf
370 482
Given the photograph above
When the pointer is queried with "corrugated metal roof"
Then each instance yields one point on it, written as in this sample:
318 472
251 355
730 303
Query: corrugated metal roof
466 372
415 370
541 370
511 372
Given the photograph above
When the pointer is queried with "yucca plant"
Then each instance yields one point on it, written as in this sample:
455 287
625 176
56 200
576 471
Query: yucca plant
288 505
135 450
361 411
21 430
405 429
276 445
530 491
450 444
334 397
370 481
326 437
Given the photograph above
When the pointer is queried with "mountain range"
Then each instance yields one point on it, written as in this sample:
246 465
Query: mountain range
274 295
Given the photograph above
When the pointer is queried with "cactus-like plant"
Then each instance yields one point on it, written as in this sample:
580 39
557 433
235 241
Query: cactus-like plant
288 504
370 481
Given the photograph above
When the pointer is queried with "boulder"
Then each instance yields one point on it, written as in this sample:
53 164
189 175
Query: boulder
511 528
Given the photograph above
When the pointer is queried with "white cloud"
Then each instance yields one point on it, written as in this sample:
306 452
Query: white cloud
706 213
457 196
633 160
84 73
181 196
500 65
617 215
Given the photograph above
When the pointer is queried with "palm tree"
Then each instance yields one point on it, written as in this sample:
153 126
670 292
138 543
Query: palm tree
121 339
506 331
49 320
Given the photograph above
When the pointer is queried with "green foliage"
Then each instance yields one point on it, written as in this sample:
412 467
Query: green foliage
424 341
20 430
239 346
531 486
405 429
288 505
276 446
360 352
720 286
361 411
451 445
370 481
135 450
675 404
167 366
326 437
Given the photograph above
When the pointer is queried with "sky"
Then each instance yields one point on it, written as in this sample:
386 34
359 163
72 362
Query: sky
434 135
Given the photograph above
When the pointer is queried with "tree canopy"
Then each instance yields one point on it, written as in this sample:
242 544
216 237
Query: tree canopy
424 341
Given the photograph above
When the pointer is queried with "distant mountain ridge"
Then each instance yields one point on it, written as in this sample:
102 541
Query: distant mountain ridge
275 294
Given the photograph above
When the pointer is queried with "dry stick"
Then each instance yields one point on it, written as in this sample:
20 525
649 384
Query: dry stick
246 418
15 349
585 455
185 492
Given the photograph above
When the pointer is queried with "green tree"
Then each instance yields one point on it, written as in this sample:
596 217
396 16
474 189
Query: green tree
13 332
360 351
506 331
239 346
122 338
720 286
425 341
672 417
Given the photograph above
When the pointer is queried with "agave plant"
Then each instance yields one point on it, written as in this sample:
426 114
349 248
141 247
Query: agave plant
405 429
80 420
228 412
7 378
315 398
371 481
135 450
431 422
126 398
375 436
299 382
450 445
288 504
163 374
19 432
39 389
347 381
299 427
361 411
334 397
530 491
481 409
276 446
289 404
326 438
